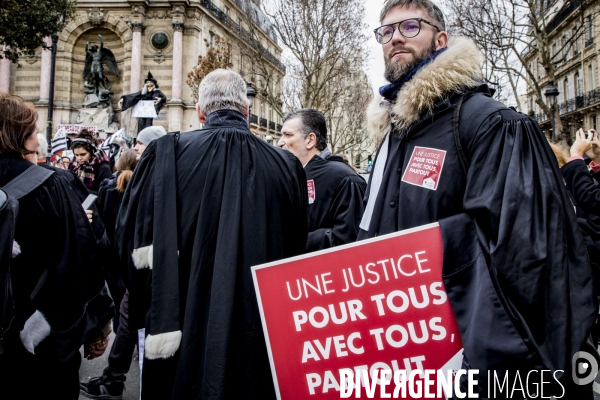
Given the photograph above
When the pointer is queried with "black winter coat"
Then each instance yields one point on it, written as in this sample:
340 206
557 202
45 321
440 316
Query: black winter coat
335 205
515 265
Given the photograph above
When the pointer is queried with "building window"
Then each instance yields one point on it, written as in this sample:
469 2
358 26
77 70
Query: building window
531 104
262 109
212 39
594 122
565 89
589 33
227 11
578 85
576 42
590 77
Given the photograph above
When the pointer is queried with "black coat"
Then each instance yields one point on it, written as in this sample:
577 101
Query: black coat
130 100
55 234
335 212
109 202
586 197
515 265
211 204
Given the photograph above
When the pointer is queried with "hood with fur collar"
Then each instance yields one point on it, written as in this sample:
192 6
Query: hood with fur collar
455 70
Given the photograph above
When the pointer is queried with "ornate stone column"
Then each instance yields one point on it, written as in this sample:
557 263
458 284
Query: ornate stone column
177 59
4 75
45 71
136 56
176 105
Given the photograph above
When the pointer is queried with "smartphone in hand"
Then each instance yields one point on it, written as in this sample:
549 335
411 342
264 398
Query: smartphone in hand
87 203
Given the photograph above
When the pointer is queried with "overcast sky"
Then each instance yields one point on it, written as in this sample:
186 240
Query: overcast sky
374 67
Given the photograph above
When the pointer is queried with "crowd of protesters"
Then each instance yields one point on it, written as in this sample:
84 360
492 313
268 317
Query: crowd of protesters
181 217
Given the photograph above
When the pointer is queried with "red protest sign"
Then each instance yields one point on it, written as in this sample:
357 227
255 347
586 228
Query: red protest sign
375 304
425 167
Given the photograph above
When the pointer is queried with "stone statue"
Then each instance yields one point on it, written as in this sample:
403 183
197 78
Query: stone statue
93 70
97 108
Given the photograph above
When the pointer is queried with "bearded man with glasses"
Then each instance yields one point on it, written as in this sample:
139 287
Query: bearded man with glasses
515 266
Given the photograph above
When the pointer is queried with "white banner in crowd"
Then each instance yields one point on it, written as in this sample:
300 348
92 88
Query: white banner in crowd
74 128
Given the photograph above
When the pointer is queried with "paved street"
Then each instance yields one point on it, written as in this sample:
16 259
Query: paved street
94 368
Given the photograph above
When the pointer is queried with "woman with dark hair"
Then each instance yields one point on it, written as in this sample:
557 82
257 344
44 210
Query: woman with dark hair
90 163
60 300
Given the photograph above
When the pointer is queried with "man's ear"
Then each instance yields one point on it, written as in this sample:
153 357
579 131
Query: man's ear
247 112
311 141
441 40
201 116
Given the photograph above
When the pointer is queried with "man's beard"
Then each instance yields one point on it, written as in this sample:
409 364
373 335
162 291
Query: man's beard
396 71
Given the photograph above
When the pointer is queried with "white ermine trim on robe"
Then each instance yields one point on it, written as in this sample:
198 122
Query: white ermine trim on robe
163 345
16 250
35 330
142 257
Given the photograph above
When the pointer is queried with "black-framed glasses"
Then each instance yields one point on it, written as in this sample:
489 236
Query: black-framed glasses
409 28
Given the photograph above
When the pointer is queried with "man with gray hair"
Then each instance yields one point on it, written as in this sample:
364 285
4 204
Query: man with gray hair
201 208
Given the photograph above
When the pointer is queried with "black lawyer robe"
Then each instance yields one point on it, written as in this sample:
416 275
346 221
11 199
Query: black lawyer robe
214 203
130 100
514 258
336 206
585 194
54 234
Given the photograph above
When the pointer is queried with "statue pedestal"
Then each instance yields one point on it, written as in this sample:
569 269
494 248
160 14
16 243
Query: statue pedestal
102 118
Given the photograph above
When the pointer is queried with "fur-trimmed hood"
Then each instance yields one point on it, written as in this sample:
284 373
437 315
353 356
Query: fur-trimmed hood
455 70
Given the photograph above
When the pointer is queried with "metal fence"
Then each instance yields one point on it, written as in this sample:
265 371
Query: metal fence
590 98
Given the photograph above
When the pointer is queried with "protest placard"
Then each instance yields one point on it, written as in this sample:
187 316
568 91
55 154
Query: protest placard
371 305
74 128
144 109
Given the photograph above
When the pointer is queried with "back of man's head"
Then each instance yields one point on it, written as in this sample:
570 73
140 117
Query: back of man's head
428 6
222 89
312 121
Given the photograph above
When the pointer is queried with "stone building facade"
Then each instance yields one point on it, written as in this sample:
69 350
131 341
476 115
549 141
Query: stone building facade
161 37
577 77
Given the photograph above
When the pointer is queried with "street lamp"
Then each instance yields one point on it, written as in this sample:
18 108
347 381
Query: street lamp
551 94
51 96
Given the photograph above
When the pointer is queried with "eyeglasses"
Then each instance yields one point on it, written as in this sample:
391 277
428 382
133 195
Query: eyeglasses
409 28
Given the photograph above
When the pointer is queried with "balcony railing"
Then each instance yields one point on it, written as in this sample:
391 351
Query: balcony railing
589 42
279 127
254 119
272 125
244 34
590 98
263 122
562 15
